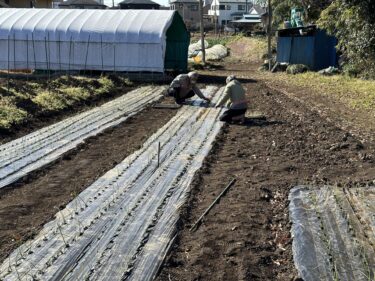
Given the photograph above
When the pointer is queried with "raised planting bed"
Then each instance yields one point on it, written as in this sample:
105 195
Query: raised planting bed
333 232
121 226
37 149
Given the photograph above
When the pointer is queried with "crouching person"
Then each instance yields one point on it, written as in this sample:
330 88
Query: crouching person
234 94
184 87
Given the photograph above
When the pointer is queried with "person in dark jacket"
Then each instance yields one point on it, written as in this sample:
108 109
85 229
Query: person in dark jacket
184 87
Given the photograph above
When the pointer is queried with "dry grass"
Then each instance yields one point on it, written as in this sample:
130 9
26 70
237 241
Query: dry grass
10 115
248 49
353 92
26 99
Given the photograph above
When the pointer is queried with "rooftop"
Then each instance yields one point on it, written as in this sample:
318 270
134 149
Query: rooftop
80 2
149 2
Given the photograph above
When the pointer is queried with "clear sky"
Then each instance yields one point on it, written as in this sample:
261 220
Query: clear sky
109 2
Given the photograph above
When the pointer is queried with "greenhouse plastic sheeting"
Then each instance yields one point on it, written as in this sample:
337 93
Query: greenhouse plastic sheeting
333 232
69 39
121 226
33 151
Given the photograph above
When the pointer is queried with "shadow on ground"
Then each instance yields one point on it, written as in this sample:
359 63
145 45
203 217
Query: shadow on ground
219 79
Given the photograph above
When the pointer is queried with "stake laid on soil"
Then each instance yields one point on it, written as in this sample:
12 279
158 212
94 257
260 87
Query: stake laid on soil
196 224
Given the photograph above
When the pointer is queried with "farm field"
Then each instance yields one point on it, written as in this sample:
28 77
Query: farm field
117 207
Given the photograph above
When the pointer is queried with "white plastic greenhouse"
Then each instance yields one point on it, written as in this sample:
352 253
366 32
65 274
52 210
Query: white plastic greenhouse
105 40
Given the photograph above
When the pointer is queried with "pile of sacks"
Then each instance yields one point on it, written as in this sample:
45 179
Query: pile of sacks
216 52
196 47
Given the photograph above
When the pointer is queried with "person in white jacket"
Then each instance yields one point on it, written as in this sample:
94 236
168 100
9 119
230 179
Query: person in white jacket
184 87
235 97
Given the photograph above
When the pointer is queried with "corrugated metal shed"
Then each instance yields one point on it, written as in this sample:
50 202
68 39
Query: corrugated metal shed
308 45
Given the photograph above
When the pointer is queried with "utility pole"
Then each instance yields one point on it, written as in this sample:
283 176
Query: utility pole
215 18
269 35
202 32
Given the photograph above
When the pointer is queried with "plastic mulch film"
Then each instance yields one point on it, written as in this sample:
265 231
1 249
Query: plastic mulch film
333 232
121 227
37 149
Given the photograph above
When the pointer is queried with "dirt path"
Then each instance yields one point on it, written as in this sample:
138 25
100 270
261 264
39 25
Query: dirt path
246 236
28 204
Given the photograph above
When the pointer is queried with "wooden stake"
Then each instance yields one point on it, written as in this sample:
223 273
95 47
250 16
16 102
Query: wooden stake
269 35
202 32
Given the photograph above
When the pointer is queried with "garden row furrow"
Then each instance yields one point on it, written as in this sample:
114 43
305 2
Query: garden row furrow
333 233
121 226
23 156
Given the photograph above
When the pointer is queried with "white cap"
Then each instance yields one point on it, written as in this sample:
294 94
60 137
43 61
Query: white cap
193 76
230 78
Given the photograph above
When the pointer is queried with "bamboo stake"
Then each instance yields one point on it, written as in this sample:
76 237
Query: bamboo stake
158 154
195 226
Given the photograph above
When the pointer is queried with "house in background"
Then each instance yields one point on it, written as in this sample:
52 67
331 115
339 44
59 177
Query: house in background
257 16
81 4
27 3
139 5
224 11
189 11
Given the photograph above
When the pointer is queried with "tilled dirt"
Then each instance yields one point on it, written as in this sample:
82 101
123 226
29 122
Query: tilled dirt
30 203
246 236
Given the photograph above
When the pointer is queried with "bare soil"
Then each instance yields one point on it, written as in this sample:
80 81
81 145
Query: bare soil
33 201
246 236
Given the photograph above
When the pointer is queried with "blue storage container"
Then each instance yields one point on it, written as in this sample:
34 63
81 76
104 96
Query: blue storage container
313 48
